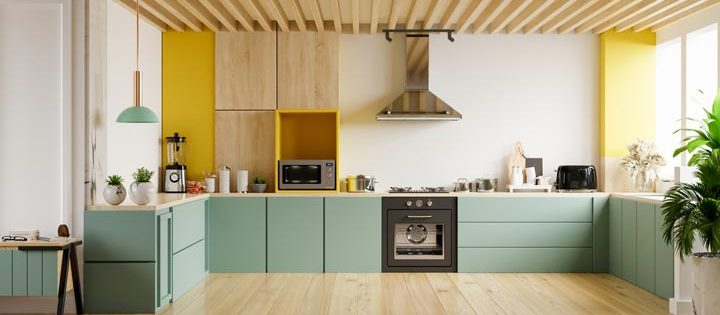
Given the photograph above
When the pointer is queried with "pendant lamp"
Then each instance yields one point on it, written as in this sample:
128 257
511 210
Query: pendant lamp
137 113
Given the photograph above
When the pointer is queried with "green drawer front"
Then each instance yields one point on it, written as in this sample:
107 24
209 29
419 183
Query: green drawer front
615 237
119 287
295 234
188 224
20 273
50 273
525 235
565 209
353 234
646 246
35 275
664 260
524 259
116 236
629 241
188 269
6 272
236 240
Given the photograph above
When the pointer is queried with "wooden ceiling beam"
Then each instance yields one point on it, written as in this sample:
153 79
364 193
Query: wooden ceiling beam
317 15
595 10
178 11
161 14
394 14
685 14
374 15
337 18
273 8
413 15
144 14
669 14
612 12
451 14
221 15
508 15
567 15
431 15
489 15
200 14
299 17
238 14
527 15
649 14
631 13
255 12
548 14
470 14
356 16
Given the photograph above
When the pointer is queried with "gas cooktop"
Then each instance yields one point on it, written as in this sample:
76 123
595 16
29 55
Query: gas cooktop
421 190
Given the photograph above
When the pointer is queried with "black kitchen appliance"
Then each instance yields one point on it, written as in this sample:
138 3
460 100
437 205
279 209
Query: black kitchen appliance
571 178
419 234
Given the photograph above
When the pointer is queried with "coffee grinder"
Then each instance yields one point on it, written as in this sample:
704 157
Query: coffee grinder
175 170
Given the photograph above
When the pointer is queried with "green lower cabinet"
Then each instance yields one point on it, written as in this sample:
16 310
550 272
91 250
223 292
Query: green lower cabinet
119 287
50 273
119 236
164 259
188 224
521 209
525 260
646 246
236 240
6 272
295 234
629 241
353 234
664 260
525 234
601 234
34 276
615 237
20 273
188 268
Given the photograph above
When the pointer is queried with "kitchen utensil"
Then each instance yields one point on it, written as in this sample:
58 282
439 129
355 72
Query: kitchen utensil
486 184
516 177
360 183
530 175
543 180
175 170
224 175
462 185
242 181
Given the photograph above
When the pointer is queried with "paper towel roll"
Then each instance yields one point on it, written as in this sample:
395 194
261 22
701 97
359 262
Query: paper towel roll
242 181
224 177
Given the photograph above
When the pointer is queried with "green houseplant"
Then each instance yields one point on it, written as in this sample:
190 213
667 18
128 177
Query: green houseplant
259 184
114 193
692 211
142 189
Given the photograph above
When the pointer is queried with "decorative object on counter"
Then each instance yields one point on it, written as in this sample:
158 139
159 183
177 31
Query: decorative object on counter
142 189
137 113
537 163
114 193
195 187
210 183
242 181
224 177
543 180
516 177
485 184
526 187
360 183
642 162
22 235
693 210
530 175
462 185
63 231
259 184
175 170
516 159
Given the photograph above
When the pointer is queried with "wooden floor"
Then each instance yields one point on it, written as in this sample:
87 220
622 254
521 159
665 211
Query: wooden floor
416 293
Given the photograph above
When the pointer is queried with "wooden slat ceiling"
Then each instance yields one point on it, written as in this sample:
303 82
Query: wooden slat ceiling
371 16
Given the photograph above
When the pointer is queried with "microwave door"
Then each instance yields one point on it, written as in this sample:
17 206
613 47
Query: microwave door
302 174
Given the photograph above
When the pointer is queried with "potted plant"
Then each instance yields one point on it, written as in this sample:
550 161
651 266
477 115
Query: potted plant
692 211
259 184
642 162
114 193
142 189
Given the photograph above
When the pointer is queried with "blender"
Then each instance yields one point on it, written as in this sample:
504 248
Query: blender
176 169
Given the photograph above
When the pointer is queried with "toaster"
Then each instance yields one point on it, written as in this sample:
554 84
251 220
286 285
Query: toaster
576 178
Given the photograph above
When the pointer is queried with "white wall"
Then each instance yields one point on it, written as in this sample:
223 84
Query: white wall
130 146
542 90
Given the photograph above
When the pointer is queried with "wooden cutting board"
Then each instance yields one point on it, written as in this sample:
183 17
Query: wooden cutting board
516 158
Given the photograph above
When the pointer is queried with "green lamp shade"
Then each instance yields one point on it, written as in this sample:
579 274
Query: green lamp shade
137 115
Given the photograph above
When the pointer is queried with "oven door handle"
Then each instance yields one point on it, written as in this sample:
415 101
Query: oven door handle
419 216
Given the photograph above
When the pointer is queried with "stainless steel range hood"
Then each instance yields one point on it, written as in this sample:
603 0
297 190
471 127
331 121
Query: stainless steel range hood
417 102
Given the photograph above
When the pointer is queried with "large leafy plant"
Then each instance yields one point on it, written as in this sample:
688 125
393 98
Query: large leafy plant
701 141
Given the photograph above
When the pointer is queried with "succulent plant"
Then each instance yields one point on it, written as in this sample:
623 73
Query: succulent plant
114 180
143 175
258 180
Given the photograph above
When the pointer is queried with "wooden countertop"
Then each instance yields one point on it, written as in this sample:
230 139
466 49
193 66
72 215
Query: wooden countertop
160 201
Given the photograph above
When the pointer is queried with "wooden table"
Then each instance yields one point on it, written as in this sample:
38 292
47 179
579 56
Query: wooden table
69 255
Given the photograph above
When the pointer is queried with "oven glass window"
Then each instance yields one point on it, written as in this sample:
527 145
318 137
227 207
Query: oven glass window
301 174
419 241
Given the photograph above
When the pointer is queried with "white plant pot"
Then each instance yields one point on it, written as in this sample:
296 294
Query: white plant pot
706 285
114 195
259 188
141 193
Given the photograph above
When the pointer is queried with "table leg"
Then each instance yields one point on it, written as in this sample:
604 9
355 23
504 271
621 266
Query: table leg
63 282
77 290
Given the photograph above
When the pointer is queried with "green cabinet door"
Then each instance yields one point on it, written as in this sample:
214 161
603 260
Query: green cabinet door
119 287
6 272
188 268
115 236
188 224
600 234
236 237
164 258
629 241
646 246
295 234
664 259
615 237
353 234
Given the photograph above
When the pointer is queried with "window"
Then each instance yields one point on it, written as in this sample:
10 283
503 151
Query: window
669 102
701 72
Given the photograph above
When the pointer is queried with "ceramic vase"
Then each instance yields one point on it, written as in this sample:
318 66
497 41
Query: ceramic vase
259 188
114 195
142 192
706 287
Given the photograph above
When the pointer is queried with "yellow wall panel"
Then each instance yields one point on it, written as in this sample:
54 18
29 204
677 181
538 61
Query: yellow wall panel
188 92
627 90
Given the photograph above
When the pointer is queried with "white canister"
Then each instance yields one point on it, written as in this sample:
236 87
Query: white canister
210 184
530 175
517 176
242 181
224 177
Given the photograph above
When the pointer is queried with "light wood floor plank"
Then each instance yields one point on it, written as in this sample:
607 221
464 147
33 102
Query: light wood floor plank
212 295
531 296
370 294
508 302
397 297
618 303
317 299
263 300
450 297
248 284
424 298
474 294
291 299
345 296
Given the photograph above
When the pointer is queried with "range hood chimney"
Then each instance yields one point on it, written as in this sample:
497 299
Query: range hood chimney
417 102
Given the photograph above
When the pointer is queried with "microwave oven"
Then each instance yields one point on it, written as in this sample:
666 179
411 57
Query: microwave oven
306 175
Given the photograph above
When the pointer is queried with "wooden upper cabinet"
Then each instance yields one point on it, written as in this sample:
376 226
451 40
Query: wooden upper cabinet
245 70
308 70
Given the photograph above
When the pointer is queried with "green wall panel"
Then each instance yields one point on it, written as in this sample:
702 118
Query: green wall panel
188 269
116 236
629 241
34 273
188 224
601 234
20 273
525 260
664 260
525 235
6 272
295 234
521 209
50 272
353 234
615 237
646 246
236 237
119 287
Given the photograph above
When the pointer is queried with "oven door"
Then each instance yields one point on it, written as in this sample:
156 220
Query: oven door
419 238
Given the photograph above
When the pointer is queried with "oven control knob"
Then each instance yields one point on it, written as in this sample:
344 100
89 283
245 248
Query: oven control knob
419 203
429 203
409 203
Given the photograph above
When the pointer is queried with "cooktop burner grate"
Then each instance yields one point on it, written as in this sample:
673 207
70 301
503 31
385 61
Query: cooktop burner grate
421 190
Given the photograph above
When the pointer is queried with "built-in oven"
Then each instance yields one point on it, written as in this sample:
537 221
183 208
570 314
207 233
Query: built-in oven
306 175
419 234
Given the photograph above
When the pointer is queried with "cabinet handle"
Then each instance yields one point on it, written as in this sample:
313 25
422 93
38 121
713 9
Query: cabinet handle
419 217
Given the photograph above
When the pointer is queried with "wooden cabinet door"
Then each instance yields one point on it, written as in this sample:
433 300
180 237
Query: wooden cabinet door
245 70
295 234
308 70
